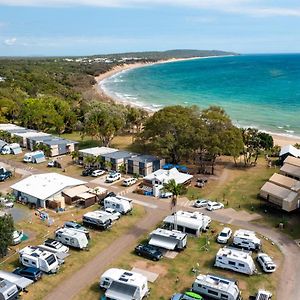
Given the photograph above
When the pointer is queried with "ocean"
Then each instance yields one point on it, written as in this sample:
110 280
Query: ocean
261 91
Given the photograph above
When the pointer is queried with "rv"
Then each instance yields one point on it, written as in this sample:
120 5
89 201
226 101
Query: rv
97 219
21 282
124 285
235 260
8 290
246 239
188 222
40 259
34 157
168 239
72 238
120 204
216 287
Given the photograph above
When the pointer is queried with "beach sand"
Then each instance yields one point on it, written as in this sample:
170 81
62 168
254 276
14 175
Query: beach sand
279 140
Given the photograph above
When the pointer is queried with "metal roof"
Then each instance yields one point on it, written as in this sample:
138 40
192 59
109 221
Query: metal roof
292 161
279 192
291 170
119 154
145 158
285 181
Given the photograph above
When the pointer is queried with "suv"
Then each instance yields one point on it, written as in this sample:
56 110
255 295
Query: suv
224 235
266 262
187 296
113 176
5 175
77 227
148 251
200 203
129 181
87 171
97 173
31 273
211 205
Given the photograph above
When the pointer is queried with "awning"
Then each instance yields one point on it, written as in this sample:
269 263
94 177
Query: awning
16 150
163 242
19 281
121 291
40 159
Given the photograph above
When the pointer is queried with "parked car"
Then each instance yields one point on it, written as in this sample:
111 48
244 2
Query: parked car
212 205
17 237
97 173
200 182
5 175
113 176
187 296
200 203
166 195
51 164
87 171
148 251
6 203
77 227
266 262
129 181
31 273
224 235
114 215
55 245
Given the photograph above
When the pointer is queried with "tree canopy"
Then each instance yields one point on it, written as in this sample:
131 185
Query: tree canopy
6 231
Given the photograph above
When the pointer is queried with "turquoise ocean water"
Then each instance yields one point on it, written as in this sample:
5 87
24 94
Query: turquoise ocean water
261 91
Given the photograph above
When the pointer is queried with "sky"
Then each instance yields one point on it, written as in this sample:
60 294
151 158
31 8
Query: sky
88 27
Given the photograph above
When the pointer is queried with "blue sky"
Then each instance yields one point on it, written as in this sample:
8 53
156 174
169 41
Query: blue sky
84 27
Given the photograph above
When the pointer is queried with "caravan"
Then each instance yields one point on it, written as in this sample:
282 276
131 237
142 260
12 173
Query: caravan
168 239
72 238
120 204
124 285
8 290
21 282
38 258
235 260
216 287
246 239
34 157
97 219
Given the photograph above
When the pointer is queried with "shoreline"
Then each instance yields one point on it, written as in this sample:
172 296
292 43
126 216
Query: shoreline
279 139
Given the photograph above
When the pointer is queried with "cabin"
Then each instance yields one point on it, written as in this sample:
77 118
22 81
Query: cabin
94 152
288 151
73 194
115 160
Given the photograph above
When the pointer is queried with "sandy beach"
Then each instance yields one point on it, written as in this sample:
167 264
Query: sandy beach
280 140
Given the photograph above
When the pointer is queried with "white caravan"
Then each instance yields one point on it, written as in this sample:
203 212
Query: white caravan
72 238
98 219
120 204
38 258
168 239
34 157
188 222
124 285
8 290
235 260
246 239
216 287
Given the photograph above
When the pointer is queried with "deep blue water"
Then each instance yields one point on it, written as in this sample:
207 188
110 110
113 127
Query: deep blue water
255 90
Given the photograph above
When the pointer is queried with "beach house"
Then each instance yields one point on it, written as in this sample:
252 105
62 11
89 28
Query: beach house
287 151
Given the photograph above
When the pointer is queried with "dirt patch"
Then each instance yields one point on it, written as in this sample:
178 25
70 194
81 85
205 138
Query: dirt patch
239 215
155 268
242 285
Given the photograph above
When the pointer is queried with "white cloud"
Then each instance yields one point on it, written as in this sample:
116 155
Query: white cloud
10 41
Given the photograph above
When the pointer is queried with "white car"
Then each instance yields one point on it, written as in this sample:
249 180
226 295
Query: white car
57 246
112 177
6 203
17 237
200 203
97 173
114 215
166 195
266 262
211 205
224 235
129 181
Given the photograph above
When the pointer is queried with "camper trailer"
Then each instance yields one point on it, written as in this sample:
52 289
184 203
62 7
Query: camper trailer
97 219
8 290
188 222
235 260
246 239
38 258
216 287
168 239
72 238
34 157
124 285
21 282
120 204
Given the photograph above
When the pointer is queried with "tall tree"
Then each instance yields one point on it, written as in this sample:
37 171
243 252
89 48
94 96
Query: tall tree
6 232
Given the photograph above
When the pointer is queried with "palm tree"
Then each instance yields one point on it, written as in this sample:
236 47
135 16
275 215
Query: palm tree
176 190
89 161
75 155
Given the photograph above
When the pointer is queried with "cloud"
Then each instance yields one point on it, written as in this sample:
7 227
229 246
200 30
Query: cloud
10 41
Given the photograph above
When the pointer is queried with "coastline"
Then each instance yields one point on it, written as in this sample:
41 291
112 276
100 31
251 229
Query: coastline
280 140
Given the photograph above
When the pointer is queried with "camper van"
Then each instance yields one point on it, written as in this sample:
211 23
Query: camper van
97 219
38 258
72 238
34 157
120 204
124 285
8 290
235 260
246 239
192 223
168 239
216 287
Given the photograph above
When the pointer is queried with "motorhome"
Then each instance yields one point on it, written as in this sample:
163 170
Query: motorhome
120 204
235 260
72 238
34 157
216 287
124 285
97 219
38 258
246 239
168 239
192 223
8 290
21 282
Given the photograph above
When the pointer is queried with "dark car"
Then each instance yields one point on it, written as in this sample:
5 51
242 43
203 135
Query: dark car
88 171
5 175
148 251
29 272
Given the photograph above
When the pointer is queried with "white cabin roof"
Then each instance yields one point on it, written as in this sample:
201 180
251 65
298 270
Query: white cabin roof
291 150
96 151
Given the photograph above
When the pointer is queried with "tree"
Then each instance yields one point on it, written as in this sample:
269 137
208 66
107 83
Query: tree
75 155
6 232
45 148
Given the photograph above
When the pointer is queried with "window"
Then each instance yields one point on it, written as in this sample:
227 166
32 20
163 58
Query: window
26 260
232 263
213 292
223 296
190 231
241 265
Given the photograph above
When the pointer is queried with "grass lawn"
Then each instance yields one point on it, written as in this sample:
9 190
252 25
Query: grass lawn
194 256
99 241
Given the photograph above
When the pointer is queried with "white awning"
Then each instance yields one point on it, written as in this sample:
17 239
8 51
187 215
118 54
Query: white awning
163 242
121 291
19 281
